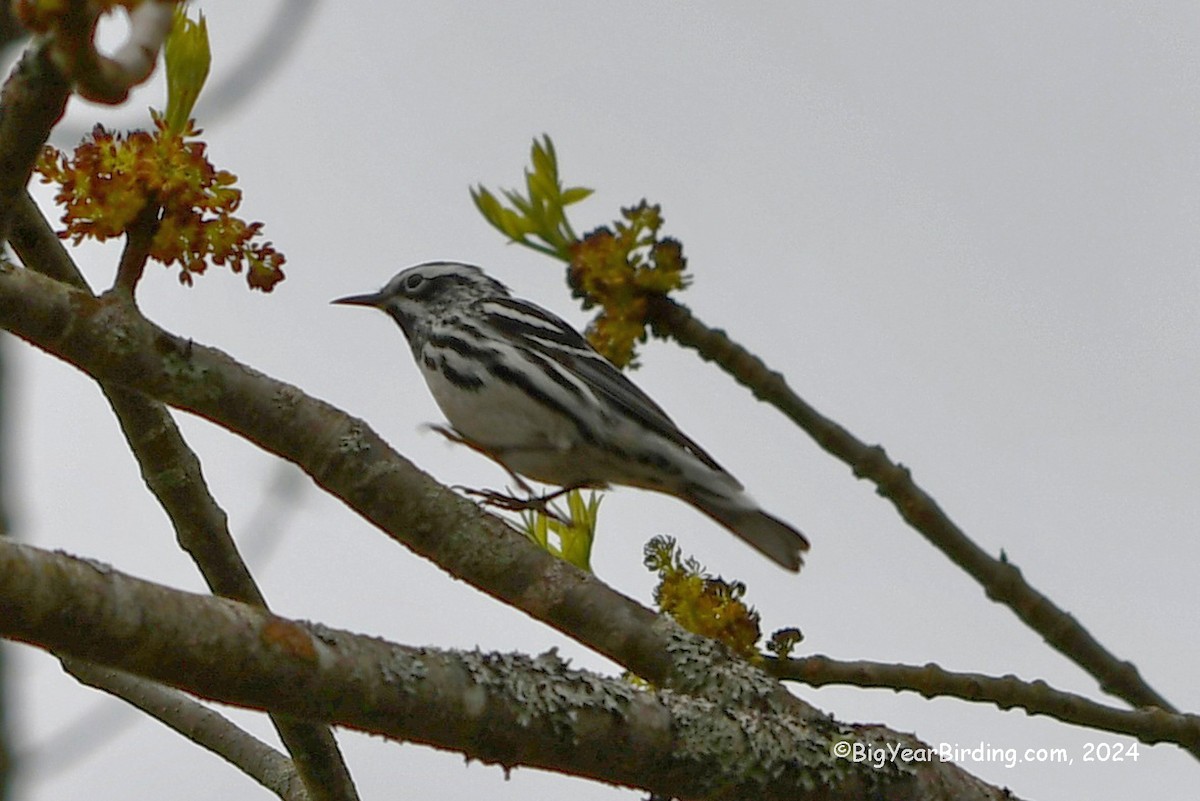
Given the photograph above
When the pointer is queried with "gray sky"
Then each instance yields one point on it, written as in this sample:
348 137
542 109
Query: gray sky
967 232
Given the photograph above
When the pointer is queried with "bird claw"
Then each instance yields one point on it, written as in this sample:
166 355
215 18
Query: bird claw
531 503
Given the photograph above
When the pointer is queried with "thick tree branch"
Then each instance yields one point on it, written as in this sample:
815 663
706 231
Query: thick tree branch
34 99
11 31
1001 580
1150 725
199 724
172 472
506 709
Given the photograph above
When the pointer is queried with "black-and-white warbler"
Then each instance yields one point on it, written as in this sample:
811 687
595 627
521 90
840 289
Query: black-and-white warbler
524 387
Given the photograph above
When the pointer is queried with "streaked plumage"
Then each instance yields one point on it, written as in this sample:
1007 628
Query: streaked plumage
528 389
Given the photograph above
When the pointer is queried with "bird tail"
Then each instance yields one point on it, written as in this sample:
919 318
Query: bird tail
769 535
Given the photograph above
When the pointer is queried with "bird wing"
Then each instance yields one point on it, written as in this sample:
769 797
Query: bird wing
546 333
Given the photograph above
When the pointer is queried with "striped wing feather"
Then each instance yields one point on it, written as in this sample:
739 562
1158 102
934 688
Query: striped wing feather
546 333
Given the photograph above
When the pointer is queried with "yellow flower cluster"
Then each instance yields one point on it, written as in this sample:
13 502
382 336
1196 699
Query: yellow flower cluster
112 178
620 269
700 603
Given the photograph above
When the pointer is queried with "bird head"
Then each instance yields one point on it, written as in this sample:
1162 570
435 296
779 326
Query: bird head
416 296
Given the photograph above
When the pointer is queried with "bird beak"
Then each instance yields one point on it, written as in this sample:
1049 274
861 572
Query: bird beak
373 299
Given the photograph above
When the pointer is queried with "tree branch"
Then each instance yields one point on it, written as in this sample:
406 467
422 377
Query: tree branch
34 99
139 236
199 724
108 79
499 708
173 474
1001 580
1150 725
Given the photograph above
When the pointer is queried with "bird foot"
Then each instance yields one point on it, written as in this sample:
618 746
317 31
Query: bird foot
530 503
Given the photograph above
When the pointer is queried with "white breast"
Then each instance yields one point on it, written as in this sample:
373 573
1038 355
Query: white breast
499 416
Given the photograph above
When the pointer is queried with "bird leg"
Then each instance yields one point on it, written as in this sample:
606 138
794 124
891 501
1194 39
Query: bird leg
458 439
532 501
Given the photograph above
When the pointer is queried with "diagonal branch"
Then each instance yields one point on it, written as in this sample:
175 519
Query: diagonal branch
34 99
173 474
509 709
199 724
1150 725
1001 580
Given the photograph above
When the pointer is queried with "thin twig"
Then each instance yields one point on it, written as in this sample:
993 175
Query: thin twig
1001 580
231 88
1149 724
139 236
108 79
198 723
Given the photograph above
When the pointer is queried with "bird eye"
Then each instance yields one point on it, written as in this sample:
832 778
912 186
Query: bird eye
413 282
